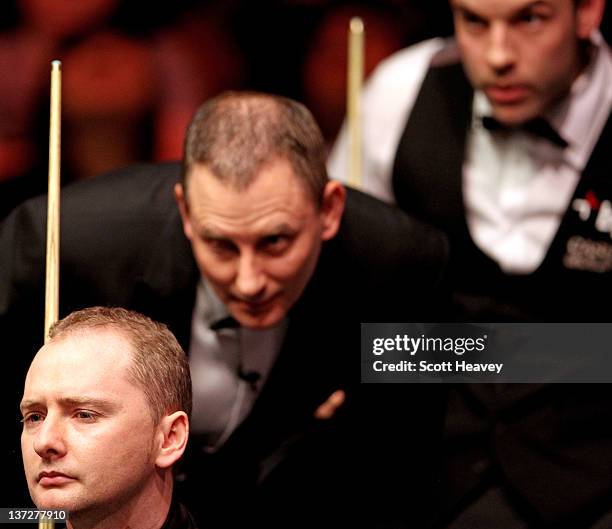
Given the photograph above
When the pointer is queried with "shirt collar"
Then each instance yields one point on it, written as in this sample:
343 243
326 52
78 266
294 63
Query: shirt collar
209 307
577 116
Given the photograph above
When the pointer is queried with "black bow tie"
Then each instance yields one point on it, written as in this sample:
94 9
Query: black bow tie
537 126
225 323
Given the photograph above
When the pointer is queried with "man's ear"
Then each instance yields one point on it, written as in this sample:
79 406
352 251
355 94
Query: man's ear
589 14
181 202
332 208
173 432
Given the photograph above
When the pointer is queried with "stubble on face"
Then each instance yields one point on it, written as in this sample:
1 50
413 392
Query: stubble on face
523 54
258 246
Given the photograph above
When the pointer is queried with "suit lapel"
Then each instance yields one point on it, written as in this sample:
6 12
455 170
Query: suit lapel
166 290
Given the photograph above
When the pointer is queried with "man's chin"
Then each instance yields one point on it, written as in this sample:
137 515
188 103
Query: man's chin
51 500
514 116
55 497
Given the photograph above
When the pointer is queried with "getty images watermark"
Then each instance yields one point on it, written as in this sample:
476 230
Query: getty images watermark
486 352
424 344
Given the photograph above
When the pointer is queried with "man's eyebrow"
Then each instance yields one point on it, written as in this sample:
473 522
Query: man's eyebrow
77 401
282 228
208 233
28 404
101 404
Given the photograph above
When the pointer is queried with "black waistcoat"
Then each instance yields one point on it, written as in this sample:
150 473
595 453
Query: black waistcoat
548 446
572 281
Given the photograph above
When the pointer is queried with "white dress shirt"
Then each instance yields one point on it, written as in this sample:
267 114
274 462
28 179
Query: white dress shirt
516 187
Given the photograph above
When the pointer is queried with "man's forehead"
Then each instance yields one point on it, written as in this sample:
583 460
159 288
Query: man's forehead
248 223
502 7
275 190
89 346
80 363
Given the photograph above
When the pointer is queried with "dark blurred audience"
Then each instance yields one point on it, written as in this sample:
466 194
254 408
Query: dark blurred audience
42 28
130 84
132 77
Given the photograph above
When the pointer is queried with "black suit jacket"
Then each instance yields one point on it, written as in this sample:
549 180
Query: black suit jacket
122 244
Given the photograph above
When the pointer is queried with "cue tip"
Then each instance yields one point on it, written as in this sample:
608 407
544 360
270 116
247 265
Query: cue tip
356 25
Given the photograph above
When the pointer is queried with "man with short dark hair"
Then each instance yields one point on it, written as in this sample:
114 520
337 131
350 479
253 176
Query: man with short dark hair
105 412
500 137
264 271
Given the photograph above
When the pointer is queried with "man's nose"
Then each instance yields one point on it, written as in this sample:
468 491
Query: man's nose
500 53
49 441
250 278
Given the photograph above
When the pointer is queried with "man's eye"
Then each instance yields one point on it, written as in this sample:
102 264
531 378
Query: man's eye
32 418
275 243
85 415
221 246
471 20
532 19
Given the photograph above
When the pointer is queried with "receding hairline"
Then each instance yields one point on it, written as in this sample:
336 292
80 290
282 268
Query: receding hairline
245 102
236 134
86 328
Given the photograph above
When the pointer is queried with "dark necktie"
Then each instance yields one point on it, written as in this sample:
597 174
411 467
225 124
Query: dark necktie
537 126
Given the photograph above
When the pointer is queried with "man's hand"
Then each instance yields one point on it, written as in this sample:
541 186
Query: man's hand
329 407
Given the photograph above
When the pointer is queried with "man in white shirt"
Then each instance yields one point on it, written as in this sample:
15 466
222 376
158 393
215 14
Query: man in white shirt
500 137
513 207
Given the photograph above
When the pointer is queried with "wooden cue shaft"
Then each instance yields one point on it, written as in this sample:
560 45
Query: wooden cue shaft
354 84
45 523
53 215
53 201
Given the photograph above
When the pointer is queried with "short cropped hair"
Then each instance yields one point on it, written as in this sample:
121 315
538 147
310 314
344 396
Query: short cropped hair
159 364
237 133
